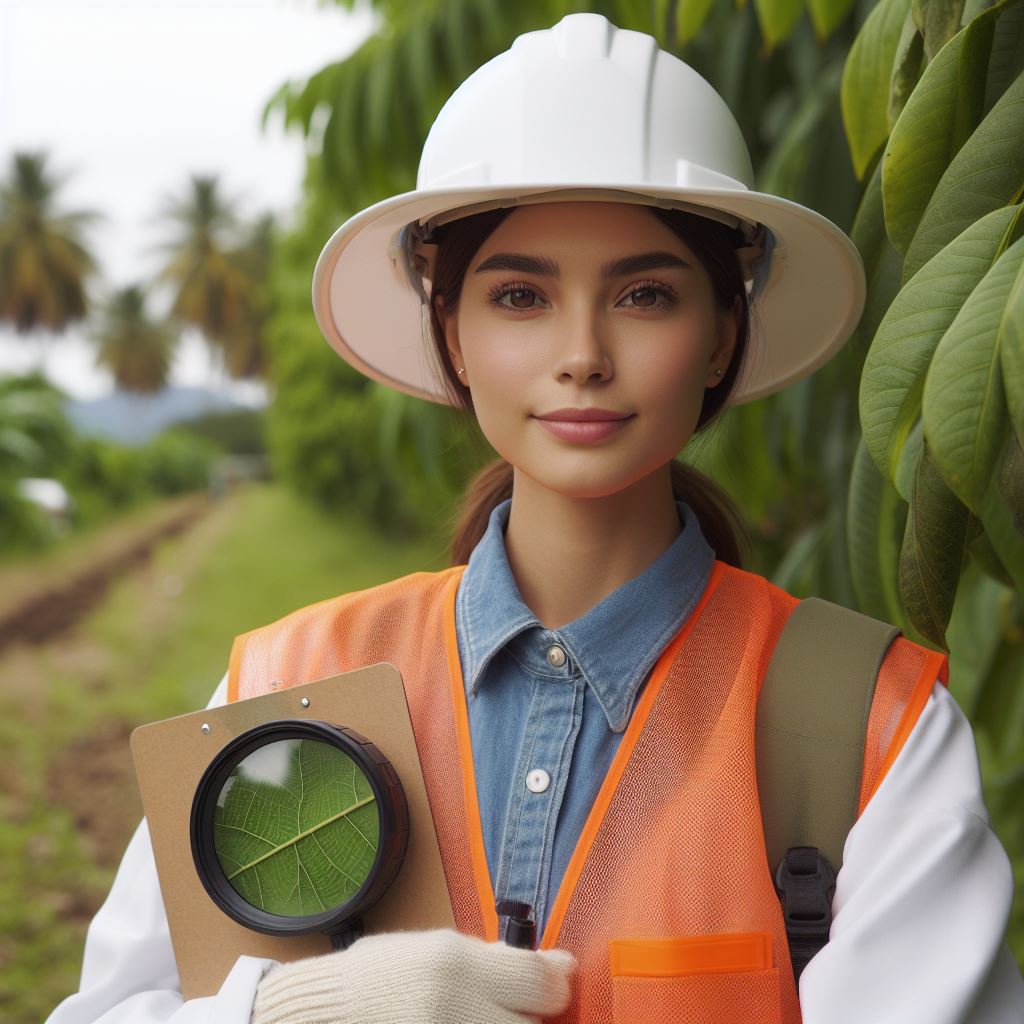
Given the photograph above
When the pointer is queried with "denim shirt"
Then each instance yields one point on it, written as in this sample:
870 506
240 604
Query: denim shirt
548 707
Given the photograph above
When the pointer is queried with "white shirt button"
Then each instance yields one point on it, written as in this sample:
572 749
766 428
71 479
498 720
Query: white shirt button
538 780
556 656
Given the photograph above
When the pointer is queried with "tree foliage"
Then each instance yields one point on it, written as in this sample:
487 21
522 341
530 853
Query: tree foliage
942 376
217 268
44 261
137 349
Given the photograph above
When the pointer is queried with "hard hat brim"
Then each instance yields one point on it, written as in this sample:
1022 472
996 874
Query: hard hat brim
804 311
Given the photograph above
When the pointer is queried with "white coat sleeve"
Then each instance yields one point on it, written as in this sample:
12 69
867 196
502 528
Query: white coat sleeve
129 975
923 897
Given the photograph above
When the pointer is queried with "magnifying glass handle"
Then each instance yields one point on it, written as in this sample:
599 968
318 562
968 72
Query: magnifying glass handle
520 928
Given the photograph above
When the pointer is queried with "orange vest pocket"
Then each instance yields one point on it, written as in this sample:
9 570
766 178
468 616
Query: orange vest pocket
704 979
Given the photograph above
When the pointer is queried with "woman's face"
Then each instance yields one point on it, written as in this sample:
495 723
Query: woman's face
584 305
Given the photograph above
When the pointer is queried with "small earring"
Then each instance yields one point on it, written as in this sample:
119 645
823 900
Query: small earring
718 373
462 371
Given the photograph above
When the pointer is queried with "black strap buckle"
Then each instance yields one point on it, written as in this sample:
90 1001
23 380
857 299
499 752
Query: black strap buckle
805 882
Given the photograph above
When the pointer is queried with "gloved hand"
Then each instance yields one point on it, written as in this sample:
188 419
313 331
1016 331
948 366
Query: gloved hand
426 977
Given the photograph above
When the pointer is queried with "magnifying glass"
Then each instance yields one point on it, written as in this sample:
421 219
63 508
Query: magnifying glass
299 826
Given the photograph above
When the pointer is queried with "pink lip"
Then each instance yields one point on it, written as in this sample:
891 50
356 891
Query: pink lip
583 431
584 415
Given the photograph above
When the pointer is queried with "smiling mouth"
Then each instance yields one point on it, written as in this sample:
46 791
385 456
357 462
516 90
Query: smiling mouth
584 431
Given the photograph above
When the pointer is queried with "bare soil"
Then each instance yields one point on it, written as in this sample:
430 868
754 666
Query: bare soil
53 604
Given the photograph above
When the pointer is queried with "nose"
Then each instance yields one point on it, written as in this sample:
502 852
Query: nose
583 353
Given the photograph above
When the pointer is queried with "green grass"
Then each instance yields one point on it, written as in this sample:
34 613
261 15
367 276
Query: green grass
277 554
155 647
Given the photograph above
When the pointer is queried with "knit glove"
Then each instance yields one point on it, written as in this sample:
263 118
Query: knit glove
425 977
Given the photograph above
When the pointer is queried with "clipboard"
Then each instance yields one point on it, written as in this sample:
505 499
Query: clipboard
170 758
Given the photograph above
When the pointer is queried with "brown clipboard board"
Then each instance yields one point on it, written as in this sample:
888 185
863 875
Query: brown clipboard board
170 758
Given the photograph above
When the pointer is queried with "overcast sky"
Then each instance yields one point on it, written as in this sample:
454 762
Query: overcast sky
131 97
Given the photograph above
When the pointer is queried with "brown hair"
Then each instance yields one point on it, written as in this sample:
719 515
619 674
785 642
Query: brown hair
714 244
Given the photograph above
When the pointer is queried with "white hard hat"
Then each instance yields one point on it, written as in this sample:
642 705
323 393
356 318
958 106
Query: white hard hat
586 111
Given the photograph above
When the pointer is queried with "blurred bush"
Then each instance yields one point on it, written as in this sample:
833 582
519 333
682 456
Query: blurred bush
236 431
37 441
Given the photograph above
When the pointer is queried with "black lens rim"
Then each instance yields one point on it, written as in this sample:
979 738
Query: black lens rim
393 826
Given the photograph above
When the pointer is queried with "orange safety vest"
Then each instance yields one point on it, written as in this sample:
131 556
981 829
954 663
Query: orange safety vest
668 903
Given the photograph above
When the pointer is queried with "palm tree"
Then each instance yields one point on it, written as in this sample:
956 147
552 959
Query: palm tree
44 263
212 290
136 349
244 349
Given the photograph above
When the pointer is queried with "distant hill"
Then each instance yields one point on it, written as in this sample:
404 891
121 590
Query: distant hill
131 418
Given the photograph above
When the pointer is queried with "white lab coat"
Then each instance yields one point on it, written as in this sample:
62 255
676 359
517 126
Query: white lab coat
917 937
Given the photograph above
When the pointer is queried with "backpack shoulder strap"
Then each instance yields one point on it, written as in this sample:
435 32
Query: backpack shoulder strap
812 719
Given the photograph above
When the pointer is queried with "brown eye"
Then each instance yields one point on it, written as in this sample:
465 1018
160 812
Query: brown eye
651 296
521 298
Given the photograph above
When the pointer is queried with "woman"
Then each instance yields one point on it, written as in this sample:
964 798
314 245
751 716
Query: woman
599 283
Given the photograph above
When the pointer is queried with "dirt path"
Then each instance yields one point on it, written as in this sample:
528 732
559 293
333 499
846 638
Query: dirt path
92 777
67 787
38 605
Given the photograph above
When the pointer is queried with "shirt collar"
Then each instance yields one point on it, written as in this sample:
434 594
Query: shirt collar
648 610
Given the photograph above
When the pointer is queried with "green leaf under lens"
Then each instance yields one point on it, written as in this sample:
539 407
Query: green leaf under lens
301 845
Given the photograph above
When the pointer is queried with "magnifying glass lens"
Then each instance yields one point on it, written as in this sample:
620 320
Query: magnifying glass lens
296 827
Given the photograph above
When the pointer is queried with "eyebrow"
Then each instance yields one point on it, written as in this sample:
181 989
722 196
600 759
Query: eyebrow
544 267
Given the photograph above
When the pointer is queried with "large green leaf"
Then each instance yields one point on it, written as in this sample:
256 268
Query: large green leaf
987 173
892 383
828 15
1012 354
937 119
938 21
906 68
939 528
1011 481
777 19
296 829
1006 539
876 518
866 78
964 403
910 456
690 18
1006 61
882 262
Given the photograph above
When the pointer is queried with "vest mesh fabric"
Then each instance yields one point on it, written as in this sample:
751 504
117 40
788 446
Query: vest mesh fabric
905 681
673 853
680 852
